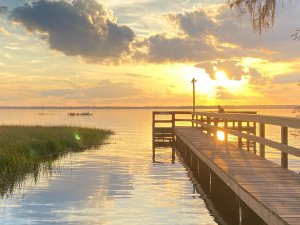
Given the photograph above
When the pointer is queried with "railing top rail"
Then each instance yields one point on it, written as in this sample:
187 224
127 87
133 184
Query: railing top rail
272 120
171 112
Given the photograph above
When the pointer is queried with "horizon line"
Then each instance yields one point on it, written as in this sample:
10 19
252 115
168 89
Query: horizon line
151 107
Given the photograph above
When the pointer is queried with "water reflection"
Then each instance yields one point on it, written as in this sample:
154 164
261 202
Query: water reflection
10 182
115 184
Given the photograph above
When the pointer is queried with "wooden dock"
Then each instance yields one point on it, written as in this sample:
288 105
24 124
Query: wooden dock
271 191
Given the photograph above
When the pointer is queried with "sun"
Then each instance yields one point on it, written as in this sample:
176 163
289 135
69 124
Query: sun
209 86
221 76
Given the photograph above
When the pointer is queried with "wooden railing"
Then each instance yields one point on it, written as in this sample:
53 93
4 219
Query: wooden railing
232 123
162 129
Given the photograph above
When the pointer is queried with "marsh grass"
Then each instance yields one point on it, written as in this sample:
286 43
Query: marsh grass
28 149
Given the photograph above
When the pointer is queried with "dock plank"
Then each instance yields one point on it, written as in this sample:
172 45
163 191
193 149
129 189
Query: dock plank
269 190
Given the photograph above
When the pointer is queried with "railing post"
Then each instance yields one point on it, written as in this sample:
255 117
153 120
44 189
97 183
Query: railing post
240 143
254 133
225 131
173 125
193 118
216 125
208 122
248 132
202 120
284 140
262 129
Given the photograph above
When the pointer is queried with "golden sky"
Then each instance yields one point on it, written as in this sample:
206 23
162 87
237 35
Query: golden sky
144 53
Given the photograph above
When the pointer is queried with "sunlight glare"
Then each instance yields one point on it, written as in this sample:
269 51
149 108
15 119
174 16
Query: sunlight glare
220 135
209 87
221 76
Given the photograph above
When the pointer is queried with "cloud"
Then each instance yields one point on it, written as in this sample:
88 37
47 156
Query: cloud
3 31
198 36
135 75
202 34
193 23
233 70
3 9
69 82
160 49
105 89
84 28
287 78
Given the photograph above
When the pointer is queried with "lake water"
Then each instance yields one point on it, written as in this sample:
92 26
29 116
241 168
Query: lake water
115 184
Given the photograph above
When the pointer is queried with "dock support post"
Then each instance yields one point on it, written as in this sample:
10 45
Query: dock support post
262 128
208 122
210 182
191 153
284 140
173 137
198 169
153 138
240 213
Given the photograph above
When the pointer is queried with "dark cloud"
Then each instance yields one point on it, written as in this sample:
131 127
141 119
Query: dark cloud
83 28
3 9
287 78
198 39
275 44
193 23
229 37
160 48
87 29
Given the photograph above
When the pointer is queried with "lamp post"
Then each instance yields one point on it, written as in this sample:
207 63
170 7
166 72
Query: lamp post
194 101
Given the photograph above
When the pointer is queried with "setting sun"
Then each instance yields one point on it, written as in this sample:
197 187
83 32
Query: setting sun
221 76
210 85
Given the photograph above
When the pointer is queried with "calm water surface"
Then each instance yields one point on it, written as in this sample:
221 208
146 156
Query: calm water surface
115 184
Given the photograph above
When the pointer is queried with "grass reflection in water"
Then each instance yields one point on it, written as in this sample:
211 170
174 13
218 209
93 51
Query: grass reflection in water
29 149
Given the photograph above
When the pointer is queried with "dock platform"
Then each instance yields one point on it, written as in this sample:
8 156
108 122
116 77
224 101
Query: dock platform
272 192
256 186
